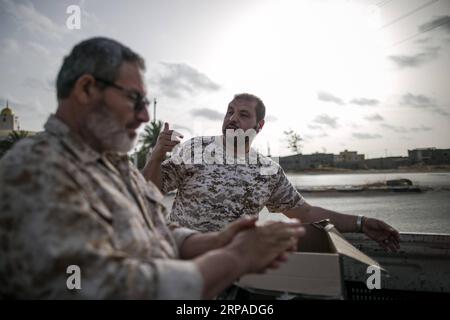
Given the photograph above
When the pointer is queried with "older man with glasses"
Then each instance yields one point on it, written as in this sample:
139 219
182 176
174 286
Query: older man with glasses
70 200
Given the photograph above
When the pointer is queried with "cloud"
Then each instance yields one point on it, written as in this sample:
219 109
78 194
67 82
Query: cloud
400 129
411 61
314 127
397 129
15 105
422 128
421 101
39 49
26 16
9 47
23 109
311 137
417 101
181 128
365 136
441 21
365 102
92 21
374 117
441 111
423 40
39 84
209 114
327 120
328 97
271 118
354 125
175 79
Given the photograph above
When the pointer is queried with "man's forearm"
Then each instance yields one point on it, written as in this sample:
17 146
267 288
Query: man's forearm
219 268
199 244
152 171
343 222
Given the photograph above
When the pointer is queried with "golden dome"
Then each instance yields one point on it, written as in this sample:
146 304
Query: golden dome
7 111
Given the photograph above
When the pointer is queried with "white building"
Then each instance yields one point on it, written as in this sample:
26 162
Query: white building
9 122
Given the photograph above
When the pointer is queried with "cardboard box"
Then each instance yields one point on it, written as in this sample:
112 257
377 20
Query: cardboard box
315 270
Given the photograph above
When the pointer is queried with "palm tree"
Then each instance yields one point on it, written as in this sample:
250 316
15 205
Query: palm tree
150 134
12 138
148 140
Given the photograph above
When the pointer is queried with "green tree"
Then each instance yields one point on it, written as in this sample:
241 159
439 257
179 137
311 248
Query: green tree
9 142
148 140
294 141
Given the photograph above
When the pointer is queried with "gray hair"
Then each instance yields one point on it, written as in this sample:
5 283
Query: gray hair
100 57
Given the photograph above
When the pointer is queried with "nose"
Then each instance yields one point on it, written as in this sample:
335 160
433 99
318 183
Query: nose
143 115
233 117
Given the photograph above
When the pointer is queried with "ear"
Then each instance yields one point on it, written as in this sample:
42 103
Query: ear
84 90
261 124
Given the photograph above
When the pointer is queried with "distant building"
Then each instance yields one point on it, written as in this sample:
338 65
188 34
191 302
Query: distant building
386 163
348 156
9 122
429 156
306 161
420 155
354 161
349 160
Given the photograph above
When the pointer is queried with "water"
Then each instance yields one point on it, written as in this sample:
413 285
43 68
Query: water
422 212
408 212
433 179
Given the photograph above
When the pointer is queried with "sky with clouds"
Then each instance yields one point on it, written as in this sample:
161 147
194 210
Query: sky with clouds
367 75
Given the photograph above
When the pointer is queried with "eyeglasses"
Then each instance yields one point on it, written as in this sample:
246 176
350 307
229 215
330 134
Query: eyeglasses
140 102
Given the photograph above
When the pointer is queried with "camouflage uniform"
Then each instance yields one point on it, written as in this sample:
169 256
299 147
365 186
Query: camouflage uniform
211 195
61 204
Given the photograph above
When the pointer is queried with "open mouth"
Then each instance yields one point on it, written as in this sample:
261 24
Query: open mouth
133 127
132 130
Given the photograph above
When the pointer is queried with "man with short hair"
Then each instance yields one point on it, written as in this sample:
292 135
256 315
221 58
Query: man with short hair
70 197
212 194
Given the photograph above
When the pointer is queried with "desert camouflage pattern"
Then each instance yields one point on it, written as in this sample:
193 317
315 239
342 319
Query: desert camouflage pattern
211 195
62 204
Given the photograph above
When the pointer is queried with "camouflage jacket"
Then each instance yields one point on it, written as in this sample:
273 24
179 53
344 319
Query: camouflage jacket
62 204
214 189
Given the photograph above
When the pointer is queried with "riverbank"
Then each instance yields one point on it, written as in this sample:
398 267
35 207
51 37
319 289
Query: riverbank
350 190
413 169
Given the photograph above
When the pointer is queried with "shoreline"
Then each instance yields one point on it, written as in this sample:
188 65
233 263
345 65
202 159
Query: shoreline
370 171
365 193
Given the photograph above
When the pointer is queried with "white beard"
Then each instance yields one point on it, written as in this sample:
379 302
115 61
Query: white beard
106 129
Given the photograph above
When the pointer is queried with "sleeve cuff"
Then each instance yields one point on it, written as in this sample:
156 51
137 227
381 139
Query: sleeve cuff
180 234
300 202
178 280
